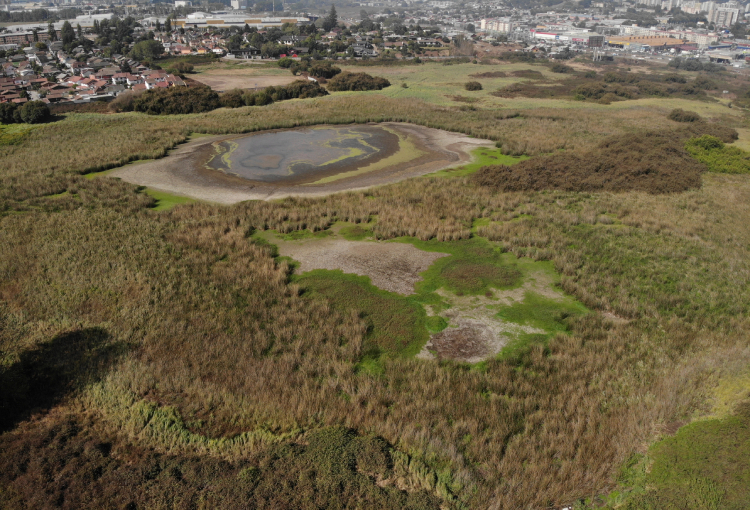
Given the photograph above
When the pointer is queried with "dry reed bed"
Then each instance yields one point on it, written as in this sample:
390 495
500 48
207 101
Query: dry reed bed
216 332
49 159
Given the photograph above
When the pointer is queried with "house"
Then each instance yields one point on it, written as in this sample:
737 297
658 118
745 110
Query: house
248 52
291 40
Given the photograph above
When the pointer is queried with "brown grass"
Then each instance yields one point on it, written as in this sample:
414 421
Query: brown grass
650 162
225 367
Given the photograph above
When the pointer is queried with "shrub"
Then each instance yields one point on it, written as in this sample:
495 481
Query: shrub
680 115
324 70
675 78
718 157
357 82
232 99
124 102
704 83
473 85
561 68
297 89
176 100
7 111
34 112
285 62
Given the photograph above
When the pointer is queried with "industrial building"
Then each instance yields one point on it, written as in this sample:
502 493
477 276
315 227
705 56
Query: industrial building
590 39
204 20
640 41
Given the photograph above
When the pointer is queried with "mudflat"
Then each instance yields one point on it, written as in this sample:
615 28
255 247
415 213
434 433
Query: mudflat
420 151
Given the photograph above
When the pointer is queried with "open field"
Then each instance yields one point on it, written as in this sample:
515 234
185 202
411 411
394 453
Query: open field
585 348
221 78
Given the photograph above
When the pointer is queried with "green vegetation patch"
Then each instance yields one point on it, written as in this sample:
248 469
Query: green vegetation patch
483 156
549 315
476 266
298 235
704 466
396 324
540 312
355 232
165 201
14 134
717 156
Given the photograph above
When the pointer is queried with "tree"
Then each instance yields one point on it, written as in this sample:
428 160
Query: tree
470 28
96 28
147 50
331 20
158 26
168 25
79 31
34 112
67 34
51 32
7 111
36 35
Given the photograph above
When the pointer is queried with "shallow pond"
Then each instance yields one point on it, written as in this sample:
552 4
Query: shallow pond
302 154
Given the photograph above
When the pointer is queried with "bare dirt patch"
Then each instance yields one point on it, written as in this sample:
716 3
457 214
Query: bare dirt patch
470 341
182 173
221 81
394 267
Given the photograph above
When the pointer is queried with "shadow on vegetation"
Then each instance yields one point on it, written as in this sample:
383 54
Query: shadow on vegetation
42 377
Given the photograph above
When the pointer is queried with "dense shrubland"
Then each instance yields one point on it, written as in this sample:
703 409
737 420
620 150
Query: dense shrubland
176 100
297 89
181 100
654 162
610 86
356 82
216 380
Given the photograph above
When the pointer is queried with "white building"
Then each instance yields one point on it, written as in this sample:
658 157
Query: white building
504 26
726 15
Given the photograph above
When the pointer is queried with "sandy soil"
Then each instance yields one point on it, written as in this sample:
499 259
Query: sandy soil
221 82
180 173
394 267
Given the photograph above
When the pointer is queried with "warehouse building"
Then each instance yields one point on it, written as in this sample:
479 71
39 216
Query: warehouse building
204 20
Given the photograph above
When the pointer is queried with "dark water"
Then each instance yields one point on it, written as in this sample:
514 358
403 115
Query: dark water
303 154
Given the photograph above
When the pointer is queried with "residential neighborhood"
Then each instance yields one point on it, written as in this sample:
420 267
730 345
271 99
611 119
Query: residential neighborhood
107 54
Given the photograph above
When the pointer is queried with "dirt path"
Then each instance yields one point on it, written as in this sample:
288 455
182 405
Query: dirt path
180 174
